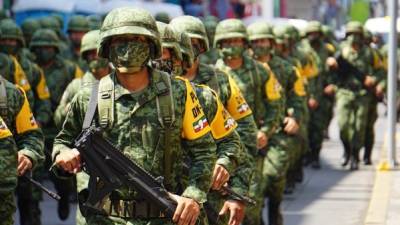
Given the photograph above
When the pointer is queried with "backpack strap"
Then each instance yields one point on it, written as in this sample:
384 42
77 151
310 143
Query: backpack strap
105 100
3 98
166 117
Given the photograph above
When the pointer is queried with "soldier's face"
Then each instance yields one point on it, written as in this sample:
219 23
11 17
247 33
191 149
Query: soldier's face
127 38
233 42
198 46
76 37
166 54
9 46
261 43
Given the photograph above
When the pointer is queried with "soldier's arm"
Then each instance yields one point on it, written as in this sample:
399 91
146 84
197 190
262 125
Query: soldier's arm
198 142
63 106
42 109
273 103
29 137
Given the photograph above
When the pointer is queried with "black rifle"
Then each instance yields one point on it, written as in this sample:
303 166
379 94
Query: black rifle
107 165
41 187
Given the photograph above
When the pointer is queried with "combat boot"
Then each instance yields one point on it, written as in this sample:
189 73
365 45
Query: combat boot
354 160
367 156
346 154
274 213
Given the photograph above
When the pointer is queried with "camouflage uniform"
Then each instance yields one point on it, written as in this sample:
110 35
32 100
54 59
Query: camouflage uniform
229 148
282 145
259 88
28 27
58 73
8 182
18 117
352 95
94 22
320 117
136 133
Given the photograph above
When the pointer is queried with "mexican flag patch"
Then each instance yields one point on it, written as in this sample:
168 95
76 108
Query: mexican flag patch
229 123
243 108
200 124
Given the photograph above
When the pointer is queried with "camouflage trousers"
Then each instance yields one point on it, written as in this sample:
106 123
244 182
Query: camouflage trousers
352 118
271 181
7 208
372 116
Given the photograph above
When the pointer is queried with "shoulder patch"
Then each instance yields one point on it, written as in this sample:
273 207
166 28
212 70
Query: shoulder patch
25 120
237 105
273 88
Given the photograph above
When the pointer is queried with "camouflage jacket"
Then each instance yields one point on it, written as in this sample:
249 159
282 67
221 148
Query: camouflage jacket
292 85
42 104
363 61
233 101
266 103
68 95
136 128
21 122
8 159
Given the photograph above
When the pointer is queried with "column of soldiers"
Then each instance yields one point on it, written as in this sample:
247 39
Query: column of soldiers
206 104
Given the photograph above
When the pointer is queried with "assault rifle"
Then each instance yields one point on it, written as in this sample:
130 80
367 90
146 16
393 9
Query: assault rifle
107 165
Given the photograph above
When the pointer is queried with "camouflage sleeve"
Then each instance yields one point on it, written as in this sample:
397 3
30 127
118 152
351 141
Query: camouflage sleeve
28 136
72 125
240 180
296 94
42 107
201 151
222 128
273 101
8 160
63 106
247 130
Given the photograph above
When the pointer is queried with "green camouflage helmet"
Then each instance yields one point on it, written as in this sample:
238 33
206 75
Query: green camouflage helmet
313 26
230 28
280 34
327 31
49 23
169 39
29 26
59 19
260 30
210 23
193 27
354 27
78 23
162 17
128 20
293 32
90 41
45 37
94 22
186 48
10 30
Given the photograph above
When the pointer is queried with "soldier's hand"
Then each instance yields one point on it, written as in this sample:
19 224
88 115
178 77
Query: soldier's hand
186 212
332 63
262 140
369 81
312 104
379 92
69 161
329 90
291 125
236 211
220 177
24 164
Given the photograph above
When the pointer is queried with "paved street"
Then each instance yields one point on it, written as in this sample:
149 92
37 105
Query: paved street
332 195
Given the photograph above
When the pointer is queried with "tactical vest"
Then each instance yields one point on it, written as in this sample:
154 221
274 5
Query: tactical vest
165 111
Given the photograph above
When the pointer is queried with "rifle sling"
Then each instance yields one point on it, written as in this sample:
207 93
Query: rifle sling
91 110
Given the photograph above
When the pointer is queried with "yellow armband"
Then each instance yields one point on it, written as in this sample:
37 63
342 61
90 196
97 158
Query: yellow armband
272 88
20 76
25 120
223 123
78 72
195 124
4 131
299 84
237 105
42 89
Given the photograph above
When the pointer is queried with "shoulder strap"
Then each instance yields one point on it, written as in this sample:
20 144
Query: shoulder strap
105 100
3 98
92 106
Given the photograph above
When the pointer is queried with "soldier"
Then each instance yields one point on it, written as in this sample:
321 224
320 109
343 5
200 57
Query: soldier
58 73
286 138
322 89
76 28
8 174
352 94
17 115
12 43
229 150
29 26
94 22
129 39
211 56
99 67
375 96
259 89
